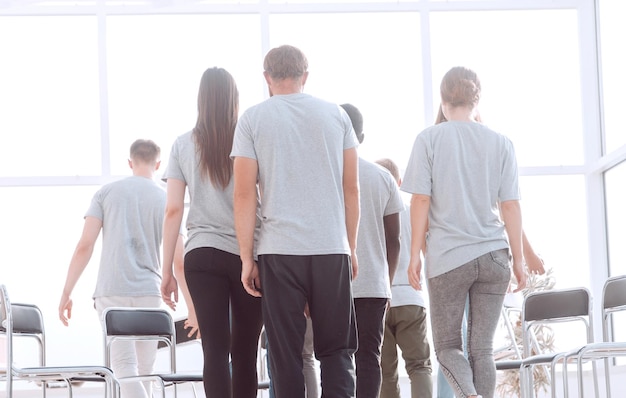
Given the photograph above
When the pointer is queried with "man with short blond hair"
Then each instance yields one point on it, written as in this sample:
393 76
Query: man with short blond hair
130 214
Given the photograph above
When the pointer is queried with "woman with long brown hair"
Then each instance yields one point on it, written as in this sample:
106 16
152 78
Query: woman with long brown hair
228 318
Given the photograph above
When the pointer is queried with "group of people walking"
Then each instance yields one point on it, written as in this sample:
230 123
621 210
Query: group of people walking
286 225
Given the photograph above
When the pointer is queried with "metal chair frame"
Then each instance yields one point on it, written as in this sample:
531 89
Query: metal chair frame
613 301
145 324
544 308
29 322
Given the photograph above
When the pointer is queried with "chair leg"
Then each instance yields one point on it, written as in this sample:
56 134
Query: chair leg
607 377
526 381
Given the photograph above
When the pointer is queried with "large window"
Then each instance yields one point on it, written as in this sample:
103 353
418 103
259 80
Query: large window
77 86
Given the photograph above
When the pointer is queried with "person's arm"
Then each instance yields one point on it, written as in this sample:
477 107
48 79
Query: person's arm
352 203
420 205
245 171
174 210
392 242
512 217
534 263
80 259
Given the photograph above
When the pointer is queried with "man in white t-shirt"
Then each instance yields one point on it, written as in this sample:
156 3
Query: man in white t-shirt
302 152
130 214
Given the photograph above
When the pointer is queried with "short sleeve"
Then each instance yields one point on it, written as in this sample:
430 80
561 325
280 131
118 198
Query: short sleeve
418 175
243 142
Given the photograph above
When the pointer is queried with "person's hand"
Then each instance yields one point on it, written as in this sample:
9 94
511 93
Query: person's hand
169 291
192 323
355 264
250 277
415 273
520 276
65 309
535 264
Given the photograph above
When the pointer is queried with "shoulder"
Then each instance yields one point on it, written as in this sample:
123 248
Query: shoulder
374 170
494 135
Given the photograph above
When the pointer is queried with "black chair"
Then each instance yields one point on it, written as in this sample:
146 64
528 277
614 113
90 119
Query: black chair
545 308
24 320
146 324
613 301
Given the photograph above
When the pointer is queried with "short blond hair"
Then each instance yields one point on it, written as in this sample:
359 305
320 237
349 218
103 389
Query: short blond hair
145 151
391 166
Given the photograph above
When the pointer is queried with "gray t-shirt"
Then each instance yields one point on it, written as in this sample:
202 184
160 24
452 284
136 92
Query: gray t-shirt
402 293
132 212
298 142
466 169
380 197
210 220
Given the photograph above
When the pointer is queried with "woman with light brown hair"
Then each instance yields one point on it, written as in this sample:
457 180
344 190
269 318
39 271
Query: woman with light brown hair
229 319
463 177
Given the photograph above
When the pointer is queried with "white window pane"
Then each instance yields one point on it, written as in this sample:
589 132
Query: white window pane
615 216
613 64
40 229
49 105
528 63
559 238
370 60
155 65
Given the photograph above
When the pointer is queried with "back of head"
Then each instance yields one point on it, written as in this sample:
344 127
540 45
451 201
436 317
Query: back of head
285 62
357 120
218 110
391 166
145 151
460 87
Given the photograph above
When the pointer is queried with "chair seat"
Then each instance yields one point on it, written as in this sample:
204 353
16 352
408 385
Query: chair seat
180 377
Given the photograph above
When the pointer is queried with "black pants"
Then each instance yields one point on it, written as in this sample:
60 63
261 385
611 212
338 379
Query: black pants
229 320
324 282
370 321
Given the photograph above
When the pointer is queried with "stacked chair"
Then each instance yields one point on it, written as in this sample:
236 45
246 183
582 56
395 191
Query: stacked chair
613 301
545 308
24 320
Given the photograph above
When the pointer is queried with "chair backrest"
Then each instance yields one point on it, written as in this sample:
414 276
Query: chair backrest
155 324
613 300
554 306
28 322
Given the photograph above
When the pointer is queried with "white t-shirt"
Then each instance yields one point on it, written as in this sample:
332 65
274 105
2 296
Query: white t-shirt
210 221
298 142
132 213
466 169
380 197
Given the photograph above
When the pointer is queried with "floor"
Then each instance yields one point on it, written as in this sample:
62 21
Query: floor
30 390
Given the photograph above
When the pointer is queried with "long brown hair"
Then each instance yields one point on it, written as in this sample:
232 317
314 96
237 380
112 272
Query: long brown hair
218 109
